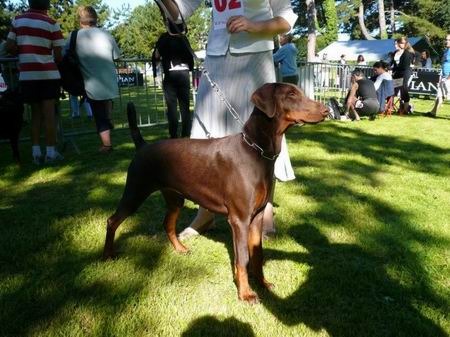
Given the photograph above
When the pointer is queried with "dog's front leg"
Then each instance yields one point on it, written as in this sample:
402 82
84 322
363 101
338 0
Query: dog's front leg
255 249
241 259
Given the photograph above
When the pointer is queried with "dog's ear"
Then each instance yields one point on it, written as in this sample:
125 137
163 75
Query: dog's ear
264 99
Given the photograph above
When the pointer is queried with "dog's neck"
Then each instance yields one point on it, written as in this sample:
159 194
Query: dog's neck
264 131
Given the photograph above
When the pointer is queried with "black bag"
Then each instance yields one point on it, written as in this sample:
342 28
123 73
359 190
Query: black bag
335 109
69 68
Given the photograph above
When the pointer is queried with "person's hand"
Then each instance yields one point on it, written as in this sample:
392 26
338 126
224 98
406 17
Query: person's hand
239 23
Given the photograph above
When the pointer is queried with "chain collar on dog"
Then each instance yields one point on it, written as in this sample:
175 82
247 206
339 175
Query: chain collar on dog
258 148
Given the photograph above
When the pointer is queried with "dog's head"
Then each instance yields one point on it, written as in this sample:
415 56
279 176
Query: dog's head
287 103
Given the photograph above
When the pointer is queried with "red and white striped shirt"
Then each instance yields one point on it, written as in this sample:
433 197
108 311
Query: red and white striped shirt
36 34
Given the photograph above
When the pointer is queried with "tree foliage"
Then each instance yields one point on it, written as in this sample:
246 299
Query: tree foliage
413 18
330 33
65 12
5 19
138 30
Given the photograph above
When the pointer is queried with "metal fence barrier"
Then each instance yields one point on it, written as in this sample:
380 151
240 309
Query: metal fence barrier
136 84
321 81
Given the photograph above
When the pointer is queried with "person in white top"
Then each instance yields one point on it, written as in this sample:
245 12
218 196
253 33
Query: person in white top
361 61
380 69
239 60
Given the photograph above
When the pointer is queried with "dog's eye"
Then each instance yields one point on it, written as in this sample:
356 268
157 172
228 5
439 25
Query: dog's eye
292 94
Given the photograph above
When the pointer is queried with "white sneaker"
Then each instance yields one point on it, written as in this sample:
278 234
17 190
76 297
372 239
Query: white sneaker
187 233
57 157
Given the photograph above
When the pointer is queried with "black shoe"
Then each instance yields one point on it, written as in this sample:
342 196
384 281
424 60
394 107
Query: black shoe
105 149
429 114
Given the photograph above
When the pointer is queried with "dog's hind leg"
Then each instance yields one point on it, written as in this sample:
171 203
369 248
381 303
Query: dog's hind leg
255 249
134 195
174 202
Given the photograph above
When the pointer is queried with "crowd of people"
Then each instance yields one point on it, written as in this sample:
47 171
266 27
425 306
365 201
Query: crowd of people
37 41
369 95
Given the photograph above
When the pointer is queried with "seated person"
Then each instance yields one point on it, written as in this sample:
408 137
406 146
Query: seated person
362 97
381 70
383 82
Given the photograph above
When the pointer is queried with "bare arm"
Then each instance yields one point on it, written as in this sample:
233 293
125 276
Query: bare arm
274 26
351 99
353 91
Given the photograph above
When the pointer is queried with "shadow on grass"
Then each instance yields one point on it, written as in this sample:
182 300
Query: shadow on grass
211 326
380 149
41 260
347 292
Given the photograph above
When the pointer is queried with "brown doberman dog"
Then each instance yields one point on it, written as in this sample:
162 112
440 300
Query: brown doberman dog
228 175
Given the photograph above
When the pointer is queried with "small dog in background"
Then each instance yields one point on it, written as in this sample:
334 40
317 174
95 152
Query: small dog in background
11 120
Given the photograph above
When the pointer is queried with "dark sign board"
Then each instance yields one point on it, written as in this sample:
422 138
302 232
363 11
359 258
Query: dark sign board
130 79
424 82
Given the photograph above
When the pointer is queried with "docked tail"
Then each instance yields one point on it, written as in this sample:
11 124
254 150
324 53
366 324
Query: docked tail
132 123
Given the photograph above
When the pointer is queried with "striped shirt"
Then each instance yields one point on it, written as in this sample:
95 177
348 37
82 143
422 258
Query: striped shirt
36 34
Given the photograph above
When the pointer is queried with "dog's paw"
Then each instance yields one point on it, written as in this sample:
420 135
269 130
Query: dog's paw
267 285
107 256
182 249
249 297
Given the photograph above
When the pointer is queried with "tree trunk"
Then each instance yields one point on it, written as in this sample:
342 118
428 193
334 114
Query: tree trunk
392 18
362 25
311 14
382 20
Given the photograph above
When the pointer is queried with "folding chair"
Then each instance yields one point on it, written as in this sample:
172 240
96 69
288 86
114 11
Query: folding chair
391 105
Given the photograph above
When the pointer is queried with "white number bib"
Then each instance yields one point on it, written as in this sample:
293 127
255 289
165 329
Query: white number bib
224 9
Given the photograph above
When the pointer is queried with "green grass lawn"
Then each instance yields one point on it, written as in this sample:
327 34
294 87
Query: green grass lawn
362 247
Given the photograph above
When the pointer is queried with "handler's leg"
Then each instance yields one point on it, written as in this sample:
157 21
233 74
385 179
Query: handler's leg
268 218
202 222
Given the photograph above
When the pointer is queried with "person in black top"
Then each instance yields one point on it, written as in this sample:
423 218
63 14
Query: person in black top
177 61
402 72
362 97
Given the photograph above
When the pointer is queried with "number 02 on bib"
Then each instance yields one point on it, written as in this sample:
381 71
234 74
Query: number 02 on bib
224 9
